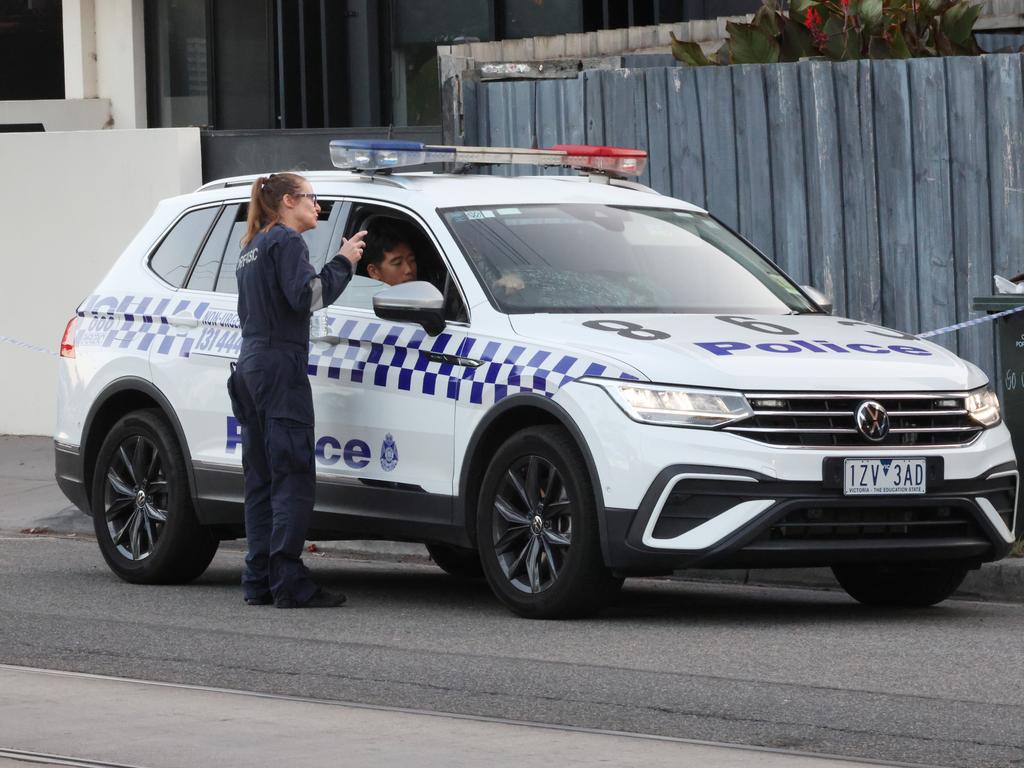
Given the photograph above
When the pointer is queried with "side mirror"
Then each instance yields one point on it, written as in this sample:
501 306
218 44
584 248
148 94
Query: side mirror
415 302
818 298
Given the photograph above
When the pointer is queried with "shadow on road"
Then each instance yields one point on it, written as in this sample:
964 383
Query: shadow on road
641 602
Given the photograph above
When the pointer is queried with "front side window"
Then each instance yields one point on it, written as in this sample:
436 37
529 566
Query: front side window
173 257
316 240
398 250
600 258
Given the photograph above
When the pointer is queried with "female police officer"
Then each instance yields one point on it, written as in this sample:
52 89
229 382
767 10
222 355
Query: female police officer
270 392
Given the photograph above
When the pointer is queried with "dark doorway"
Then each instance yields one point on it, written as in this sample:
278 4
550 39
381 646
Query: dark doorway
31 50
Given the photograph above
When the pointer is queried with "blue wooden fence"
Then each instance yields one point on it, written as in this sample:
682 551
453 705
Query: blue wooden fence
897 187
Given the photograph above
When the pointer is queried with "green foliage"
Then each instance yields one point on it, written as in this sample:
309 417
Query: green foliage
688 53
748 44
844 30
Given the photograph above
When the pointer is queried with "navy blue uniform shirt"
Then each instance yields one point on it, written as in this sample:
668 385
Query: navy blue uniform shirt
276 288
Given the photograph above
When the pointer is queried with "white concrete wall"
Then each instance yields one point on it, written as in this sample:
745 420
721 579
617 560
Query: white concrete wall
69 204
59 114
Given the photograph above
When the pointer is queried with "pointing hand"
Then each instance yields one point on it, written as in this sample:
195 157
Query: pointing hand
352 247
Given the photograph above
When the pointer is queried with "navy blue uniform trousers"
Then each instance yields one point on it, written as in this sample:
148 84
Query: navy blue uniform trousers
279 468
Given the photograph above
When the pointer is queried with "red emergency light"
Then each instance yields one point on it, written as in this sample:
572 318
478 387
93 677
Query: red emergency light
612 160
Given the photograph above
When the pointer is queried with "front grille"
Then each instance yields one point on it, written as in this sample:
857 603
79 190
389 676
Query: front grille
861 523
829 420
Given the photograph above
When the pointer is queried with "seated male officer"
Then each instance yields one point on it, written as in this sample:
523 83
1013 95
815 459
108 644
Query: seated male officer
388 256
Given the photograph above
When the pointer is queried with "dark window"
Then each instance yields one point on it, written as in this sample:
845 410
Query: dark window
204 273
419 26
243 36
31 50
177 63
615 14
175 254
316 240
526 18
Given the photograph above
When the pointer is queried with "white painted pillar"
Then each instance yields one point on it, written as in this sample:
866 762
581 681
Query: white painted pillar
79 18
121 59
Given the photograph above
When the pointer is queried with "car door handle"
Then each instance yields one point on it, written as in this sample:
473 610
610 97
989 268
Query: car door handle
332 340
437 357
183 321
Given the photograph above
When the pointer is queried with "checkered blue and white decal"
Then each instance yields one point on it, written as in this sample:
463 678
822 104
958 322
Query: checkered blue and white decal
371 353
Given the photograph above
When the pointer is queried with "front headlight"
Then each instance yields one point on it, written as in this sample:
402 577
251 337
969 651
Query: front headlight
675 406
983 406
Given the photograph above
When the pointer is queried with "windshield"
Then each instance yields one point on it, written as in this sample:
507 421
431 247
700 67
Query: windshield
601 258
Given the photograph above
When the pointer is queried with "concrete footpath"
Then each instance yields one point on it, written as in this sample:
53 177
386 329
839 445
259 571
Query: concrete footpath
30 502
160 725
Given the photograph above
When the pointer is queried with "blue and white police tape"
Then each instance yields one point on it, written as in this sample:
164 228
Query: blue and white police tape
29 347
969 323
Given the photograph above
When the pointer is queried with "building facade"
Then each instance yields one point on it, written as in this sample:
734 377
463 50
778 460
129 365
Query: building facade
273 64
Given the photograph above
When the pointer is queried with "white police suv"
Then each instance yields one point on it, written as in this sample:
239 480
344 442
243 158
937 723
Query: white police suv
588 381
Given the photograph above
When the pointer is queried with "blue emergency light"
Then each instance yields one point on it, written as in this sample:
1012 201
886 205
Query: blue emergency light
363 155
379 155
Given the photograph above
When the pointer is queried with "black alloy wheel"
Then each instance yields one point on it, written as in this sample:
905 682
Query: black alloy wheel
532 524
135 498
537 528
143 516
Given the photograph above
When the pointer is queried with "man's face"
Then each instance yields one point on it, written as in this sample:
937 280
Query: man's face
397 266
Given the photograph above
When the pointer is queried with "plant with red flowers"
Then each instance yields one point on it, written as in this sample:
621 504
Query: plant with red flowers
842 30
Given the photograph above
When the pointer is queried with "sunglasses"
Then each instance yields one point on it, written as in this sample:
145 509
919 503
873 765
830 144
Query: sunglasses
310 195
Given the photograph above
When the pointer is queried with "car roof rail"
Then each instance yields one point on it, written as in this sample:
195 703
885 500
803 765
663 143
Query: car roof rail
245 181
600 178
624 183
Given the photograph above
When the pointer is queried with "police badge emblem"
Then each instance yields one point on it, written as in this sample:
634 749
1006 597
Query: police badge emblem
388 453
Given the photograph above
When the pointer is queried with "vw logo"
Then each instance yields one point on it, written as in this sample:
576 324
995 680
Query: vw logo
872 420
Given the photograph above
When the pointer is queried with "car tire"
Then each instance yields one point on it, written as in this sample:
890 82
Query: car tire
911 585
542 558
456 561
142 508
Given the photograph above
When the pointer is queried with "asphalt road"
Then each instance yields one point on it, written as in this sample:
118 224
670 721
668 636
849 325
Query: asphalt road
794 669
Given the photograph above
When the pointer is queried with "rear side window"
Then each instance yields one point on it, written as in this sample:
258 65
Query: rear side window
316 240
226 281
204 273
176 252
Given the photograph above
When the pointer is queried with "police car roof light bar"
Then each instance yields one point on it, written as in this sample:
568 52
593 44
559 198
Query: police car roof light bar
508 156
615 161
374 155
361 155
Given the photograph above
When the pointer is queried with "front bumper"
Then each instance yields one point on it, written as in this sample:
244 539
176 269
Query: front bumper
710 517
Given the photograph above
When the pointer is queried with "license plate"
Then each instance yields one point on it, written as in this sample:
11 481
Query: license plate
889 477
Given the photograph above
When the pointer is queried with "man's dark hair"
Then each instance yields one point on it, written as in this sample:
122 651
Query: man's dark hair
383 237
